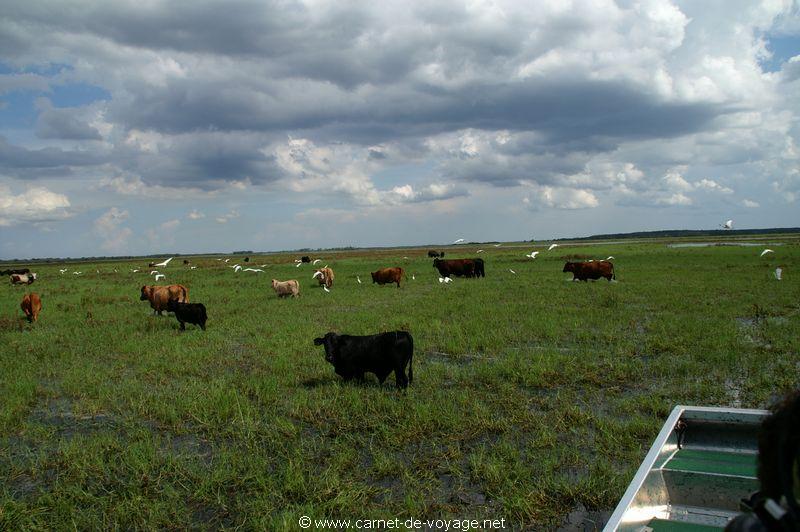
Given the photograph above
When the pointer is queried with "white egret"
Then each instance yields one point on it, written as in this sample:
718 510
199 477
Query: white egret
610 257
358 279
552 246
532 254
325 288
253 270
165 262
778 272
160 276
728 225
459 240
479 251
512 271
765 252
316 261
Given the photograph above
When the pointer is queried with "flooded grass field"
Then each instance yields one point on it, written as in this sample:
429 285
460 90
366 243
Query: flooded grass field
534 400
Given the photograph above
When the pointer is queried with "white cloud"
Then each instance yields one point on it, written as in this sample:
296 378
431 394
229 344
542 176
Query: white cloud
713 186
163 235
109 228
750 204
195 215
568 198
37 204
225 217
674 199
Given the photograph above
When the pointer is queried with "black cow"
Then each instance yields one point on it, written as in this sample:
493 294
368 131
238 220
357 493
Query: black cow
247 259
352 356
432 253
18 271
460 267
305 258
194 313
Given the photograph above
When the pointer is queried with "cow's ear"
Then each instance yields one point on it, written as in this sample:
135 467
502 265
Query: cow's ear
318 341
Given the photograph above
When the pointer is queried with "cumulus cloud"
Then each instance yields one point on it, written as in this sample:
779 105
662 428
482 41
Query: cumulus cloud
109 228
37 204
56 123
163 235
228 216
195 215
750 204
580 105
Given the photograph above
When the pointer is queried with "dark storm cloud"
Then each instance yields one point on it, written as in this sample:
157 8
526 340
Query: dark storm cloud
203 160
65 124
44 162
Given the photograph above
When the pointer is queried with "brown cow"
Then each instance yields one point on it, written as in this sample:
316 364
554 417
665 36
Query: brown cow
388 275
286 288
594 270
31 305
325 277
160 295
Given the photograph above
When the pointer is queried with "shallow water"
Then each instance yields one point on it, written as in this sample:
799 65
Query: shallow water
707 244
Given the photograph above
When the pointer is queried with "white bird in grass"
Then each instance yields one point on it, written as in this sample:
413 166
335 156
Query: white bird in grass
263 266
445 280
153 272
497 245
358 279
63 271
193 268
219 259
226 260
134 271
316 261
532 254
165 262
237 268
512 271
76 273
325 288
413 277
459 240
298 260
778 272
728 225
610 257
405 258
299 264
253 270
765 252
315 275
552 246
479 251
160 276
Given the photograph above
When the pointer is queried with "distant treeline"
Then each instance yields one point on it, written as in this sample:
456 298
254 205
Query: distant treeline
676 233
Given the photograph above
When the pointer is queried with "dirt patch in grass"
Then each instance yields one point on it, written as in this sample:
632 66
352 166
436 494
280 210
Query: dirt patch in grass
582 520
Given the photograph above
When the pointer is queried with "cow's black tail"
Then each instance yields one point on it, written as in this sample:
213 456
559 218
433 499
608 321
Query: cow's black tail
411 360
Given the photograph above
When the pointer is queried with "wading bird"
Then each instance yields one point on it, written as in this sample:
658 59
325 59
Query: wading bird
532 254
479 251
512 271
253 270
778 272
765 252
459 240
358 279
160 276
316 261
552 246
445 280
164 263
63 271
728 225
610 257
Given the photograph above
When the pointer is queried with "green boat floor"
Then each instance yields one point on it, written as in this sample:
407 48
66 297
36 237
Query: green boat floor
662 525
719 462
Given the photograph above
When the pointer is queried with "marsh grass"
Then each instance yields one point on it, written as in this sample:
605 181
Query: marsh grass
532 396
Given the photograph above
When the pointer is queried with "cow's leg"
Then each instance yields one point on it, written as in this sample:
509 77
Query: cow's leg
203 325
400 379
183 325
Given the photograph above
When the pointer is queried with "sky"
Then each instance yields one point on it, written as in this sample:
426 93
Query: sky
187 126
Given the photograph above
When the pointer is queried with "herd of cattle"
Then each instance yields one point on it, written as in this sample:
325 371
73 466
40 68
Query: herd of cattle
351 356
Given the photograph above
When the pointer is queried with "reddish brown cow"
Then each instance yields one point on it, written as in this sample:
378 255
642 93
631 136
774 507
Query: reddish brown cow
388 275
590 270
160 295
31 306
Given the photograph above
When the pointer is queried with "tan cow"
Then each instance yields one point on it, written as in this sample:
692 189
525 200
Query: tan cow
325 276
31 305
286 288
160 295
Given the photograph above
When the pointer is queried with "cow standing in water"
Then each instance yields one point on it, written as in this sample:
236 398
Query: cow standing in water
583 271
